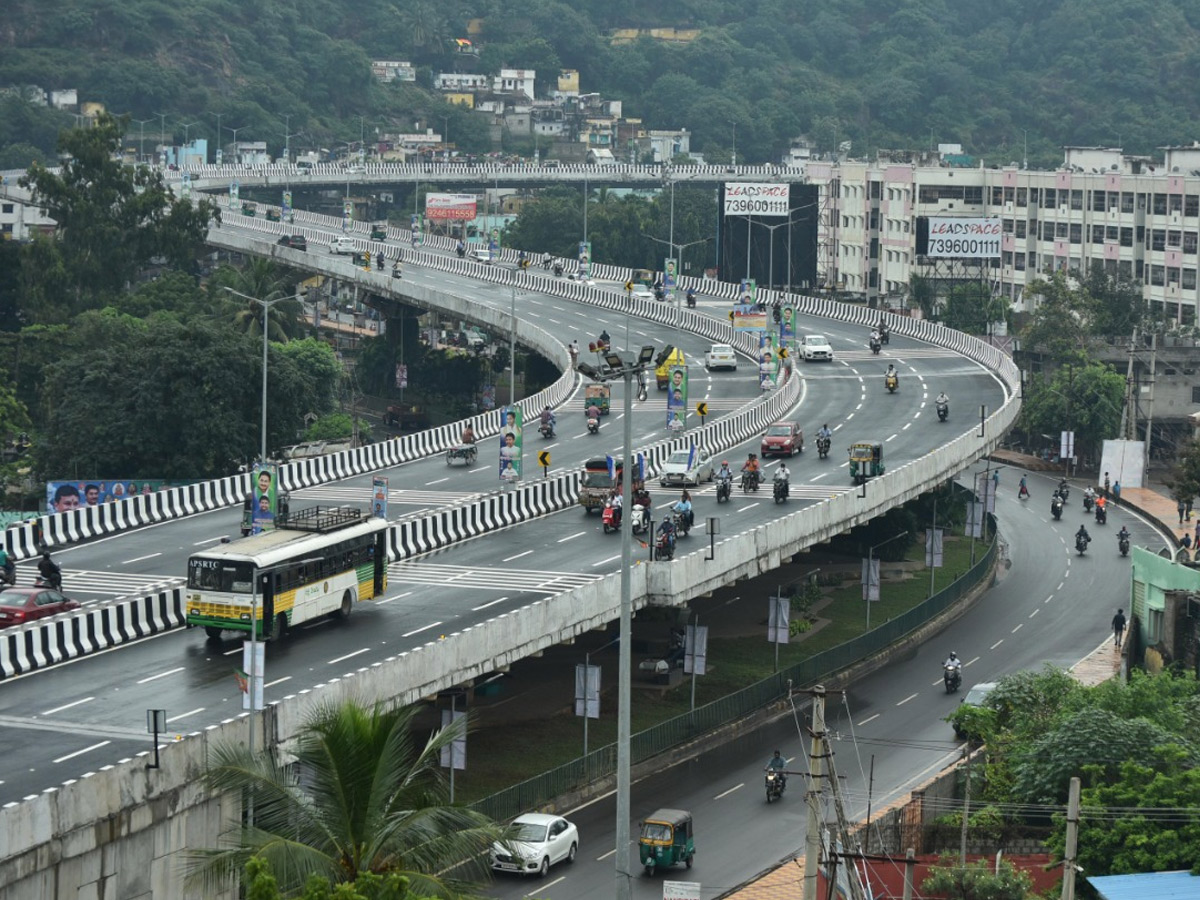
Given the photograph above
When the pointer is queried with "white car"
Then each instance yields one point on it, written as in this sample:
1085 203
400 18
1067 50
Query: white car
481 254
534 842
816 348
677 472
720 356
641 292
342 245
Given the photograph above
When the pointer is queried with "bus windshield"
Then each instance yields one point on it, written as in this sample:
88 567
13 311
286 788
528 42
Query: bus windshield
219 575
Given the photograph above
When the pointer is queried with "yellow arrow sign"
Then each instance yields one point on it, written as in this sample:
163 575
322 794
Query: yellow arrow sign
628 286
544 459
731 315
783 352
702 409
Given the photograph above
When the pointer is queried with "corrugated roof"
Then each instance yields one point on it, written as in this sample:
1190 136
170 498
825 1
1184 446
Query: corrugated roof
1148 886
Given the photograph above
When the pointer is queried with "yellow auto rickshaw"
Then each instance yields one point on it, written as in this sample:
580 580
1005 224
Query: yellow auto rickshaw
643 276
662 375
249 209
598 395
666 840
273 215
866 460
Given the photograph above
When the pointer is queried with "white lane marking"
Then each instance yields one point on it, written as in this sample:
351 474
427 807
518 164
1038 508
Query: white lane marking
606 855
480 469
232 652
906 427
489 603
975 660
744 508
815 477
866 720
422 628
59 709
893 437
334 662
730 791
390 599
161 675
140 558
1034 613
518 556
277 681
81 752
603 561
570 537
997 644
1018 628
906 699
211 540
192 712
1048 599
437 481
549 884
848 418
1060 586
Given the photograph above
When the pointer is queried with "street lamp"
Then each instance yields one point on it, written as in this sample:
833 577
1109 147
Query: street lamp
771 254
237 157
142 138
266 306
894 537
624 366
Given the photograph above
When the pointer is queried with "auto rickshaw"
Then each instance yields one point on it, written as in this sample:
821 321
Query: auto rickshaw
666 839
598 395
866 461
662 375
643 276
273 215
378 232
249 209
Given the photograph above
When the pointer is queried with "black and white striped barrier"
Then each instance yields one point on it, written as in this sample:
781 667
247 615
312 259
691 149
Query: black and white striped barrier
45 642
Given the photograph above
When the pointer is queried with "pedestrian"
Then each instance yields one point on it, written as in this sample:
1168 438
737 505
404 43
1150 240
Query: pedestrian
1187 511
1024 491
1197 541
1118 627
1186 541
996 481
1179 507
1116 492
1106 484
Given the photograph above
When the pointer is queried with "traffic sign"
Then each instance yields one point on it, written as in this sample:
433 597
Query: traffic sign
702 409
628 286
783 352
731 315
544 459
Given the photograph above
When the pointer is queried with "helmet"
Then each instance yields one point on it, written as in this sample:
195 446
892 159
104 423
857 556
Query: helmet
953 655
45 554
724 462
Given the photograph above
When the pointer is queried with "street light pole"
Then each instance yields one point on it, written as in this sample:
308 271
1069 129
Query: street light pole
142 139
869 554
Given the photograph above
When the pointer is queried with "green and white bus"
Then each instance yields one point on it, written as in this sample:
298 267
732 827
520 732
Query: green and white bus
315 562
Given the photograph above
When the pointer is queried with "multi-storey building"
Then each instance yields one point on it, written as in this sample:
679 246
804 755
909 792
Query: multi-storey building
1103 208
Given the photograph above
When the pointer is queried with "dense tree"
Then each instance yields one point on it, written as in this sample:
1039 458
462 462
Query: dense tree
262 885
1184 477
112 219
371 799
1084 398
1064 319
973 308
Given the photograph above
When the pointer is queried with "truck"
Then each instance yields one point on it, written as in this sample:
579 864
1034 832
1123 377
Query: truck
596 484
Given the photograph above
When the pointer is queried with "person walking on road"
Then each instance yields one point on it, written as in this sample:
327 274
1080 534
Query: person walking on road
1107 487
1118 627
1179 507
1024 491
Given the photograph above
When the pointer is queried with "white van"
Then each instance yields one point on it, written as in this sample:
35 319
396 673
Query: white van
342 245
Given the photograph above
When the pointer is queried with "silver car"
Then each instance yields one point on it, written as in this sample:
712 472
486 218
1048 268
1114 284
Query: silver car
533 843
682 471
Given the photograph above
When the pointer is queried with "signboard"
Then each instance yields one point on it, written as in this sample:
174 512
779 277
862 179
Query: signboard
415 226
62 496
450 206
234 187
681 890
454 756
749 318
756 199
347 214
379 496
670 276
695 650
401 375
933 548
587 691
677 392
778 620
870 579
510 443
958 237
585 259
262 514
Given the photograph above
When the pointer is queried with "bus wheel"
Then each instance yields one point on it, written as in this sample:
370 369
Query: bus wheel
213 632
281 628
347 605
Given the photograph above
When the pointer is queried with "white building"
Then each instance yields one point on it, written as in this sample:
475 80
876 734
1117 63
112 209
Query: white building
1101 208
67 99
21 221
666 145
515 81
461 81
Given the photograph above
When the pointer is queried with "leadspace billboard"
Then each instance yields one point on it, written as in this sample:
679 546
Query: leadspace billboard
958 237
756 199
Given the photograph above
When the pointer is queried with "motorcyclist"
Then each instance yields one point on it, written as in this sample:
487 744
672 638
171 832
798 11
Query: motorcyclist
874 336
1082 533
641 497
521 258
691 297
782 473
824 432
50 571
604 338
1123 534
547 260
460 248
724 473
1089 494
778 763
548 417
683 506
667 529
891 371
379 261
1063 487
8 567
468 435
593 414
953 663
942 399
751 467
617 502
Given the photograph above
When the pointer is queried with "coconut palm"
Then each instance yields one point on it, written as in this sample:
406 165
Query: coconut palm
364 795
260 278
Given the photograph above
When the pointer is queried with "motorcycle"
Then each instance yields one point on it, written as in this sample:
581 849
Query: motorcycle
659 294
691 299
780 490
1101 515
724 489
1123 545
546 430
884 335
749 482
952 677
1056 508
775 783
1063 491
611 518
461 251
558 270
943 411
379 262
1081 543
892 382
876 347
1088 502
822 447
682 523
593 426
639 519
664 546
8 574
54 582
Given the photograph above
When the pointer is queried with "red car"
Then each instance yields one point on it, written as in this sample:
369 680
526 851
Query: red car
782 439
19 605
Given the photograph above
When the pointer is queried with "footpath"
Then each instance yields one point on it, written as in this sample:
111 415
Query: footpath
785 882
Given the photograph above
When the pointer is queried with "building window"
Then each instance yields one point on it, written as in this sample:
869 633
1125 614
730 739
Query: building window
1062 230
1076 233
1174 239
1139 269
973 195
1034 196
1125 269
1141 235
1127 202
1020 262
1156 276
1189 279
1158 239
1007 226
1048 198
1097 233
1175 203
8 208
1154 626
1098 199
1189 242
1191 205
1173 276
1160 205
1021 228
1076 199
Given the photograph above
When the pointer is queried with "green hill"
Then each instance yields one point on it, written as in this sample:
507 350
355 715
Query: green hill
879 73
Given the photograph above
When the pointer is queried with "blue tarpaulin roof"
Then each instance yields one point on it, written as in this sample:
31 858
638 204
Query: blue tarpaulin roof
1148 886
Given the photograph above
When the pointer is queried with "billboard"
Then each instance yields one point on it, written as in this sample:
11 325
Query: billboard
958 237
450 206
66 495
756 199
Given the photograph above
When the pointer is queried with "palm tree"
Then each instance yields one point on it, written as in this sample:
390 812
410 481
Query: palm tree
260 278
364 795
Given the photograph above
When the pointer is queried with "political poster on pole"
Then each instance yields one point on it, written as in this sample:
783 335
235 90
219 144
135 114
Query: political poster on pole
778 624
585 259
185 185
510 443
262 515
454 755
933 548
695 650
670 276
870 579
287 206
379 496
234 189
985 490
254 659
677 396
587 691
974 523
347 214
